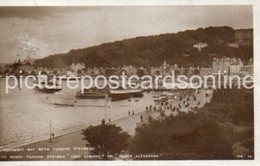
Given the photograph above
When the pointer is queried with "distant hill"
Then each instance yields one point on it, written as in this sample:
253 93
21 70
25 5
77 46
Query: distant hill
176 48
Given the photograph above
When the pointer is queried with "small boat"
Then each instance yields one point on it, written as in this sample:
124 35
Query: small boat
157 100
64 104
91 94
163 97
64 77
47 86
156 96
47 89
121 94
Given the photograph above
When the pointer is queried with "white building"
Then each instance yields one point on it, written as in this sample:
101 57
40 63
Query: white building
235 66
75 67
200 46
234 45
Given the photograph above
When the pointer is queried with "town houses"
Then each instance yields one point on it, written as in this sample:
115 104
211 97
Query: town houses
231 66
129 70
221 65
224 66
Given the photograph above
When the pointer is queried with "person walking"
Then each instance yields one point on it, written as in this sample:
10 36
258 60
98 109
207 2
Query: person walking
103 122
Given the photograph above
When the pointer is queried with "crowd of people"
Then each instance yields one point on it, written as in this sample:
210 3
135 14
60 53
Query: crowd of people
187 101
183 102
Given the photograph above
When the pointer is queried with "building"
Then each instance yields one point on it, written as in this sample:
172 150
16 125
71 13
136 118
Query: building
75 67
95 71
165 68
174 67
247 69
221 65
129 70
165 65
200 46
251 66
235 66
26 68
227 65
190 71
204 71
155 71
234 45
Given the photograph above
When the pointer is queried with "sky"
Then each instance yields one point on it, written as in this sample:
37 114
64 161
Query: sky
37 32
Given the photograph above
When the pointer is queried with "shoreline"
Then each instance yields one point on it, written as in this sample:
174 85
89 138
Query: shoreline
71 130
68 146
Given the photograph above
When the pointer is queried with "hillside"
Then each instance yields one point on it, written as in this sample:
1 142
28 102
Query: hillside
152 50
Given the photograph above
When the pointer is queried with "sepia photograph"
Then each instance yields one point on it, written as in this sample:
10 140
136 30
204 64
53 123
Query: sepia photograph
88 83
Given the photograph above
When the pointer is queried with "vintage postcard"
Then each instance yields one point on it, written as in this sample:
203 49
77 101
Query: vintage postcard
137 82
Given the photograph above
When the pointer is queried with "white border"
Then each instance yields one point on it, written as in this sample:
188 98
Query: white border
120 2
256 21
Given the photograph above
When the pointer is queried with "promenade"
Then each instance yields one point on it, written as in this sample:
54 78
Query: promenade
69 146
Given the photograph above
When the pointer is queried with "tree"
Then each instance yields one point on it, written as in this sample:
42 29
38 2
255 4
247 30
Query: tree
174 137
22 72
152 50
186 72
92 72
55 72
106 139
196 72
6 71
140 72
177 72
148 70
109 72
79 72
210 133
33 73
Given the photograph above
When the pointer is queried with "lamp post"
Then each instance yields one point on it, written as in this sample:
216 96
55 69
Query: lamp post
107 105
50 131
